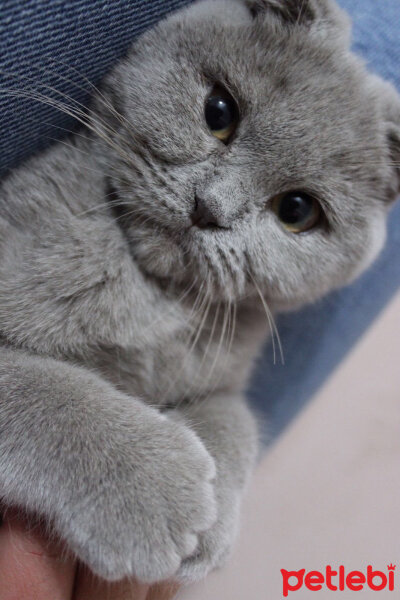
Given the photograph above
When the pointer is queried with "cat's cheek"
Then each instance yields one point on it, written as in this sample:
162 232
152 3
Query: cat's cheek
159 256
374 241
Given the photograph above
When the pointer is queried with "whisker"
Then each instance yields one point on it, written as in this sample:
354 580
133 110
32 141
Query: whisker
205 303
77 114
271 323
220 342
93 88
79 106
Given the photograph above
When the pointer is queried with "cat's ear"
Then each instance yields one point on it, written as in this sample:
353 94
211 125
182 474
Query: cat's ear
292 11
322 16
394 146
390 100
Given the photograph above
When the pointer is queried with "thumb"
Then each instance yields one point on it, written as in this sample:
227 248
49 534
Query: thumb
31 567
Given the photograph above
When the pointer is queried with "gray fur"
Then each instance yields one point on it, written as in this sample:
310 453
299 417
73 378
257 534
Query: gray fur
129 336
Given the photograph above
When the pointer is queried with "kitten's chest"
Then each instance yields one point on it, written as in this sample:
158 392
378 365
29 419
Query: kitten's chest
210 355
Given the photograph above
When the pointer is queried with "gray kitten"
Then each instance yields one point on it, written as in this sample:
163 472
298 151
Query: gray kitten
240 158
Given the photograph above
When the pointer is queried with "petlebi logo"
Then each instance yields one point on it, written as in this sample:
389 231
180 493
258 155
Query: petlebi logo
338 579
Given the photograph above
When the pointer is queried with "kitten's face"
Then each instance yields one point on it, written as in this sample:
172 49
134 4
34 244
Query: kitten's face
293 198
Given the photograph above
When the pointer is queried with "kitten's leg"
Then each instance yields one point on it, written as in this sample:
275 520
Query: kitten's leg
229 432
125 487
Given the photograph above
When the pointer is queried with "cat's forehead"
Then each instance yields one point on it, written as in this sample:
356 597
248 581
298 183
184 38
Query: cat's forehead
305 109
280 77
305 104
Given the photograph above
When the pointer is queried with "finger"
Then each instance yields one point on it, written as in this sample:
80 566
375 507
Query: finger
31 568
163 591
90 587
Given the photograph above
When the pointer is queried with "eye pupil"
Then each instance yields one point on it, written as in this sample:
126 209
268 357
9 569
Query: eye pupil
297 211
295 208
221 113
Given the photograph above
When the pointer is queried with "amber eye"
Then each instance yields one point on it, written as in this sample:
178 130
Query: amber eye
297 211
221 113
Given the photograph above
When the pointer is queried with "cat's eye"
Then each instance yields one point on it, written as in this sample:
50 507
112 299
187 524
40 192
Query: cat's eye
221 113
297 211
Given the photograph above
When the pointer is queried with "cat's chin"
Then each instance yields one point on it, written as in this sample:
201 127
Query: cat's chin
179 257
158 256
179 267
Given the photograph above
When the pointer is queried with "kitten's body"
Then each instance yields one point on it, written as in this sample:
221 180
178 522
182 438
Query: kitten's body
153 340
168 348
114 305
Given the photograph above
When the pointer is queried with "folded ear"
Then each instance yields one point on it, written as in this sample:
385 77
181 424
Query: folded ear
292 11
387 98
391 122
394 145
322 15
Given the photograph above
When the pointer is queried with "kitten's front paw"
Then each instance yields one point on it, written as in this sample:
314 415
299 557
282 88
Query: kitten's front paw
215 545
148 516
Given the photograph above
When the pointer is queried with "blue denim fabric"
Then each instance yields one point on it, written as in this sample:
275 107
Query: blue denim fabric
50 42
60 43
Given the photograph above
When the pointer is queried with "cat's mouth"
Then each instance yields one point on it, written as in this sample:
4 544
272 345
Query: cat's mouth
155 250
181 254
198 220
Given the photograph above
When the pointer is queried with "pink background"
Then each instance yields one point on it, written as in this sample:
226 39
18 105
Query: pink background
328 492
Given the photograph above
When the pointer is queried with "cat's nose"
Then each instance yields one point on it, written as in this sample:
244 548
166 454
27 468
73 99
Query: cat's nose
205 216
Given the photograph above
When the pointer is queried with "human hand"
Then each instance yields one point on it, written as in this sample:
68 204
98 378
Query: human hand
34 568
